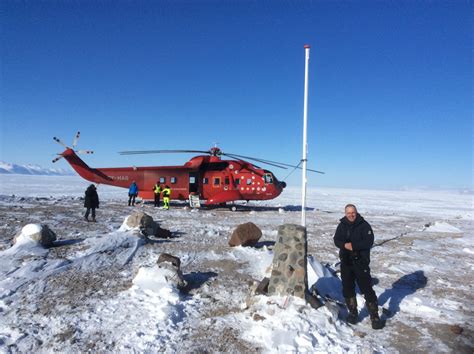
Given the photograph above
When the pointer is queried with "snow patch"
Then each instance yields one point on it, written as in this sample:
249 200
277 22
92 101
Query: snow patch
25 236
125 228
442 227
152 281
258 261
290 325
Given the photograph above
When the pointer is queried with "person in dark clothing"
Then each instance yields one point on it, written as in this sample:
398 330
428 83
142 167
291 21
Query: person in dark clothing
157 191
132 193
354 238
91 202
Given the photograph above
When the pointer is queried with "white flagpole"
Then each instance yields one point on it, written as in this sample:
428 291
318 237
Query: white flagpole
305 144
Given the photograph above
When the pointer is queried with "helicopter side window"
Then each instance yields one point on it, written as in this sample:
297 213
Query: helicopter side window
227 181
249 181
162 179
268 178
205 180
237 181
173 180
217 181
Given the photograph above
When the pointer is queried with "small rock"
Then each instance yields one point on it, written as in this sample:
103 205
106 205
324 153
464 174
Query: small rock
172 264
166 257
456 329
258 317
262 288
313 301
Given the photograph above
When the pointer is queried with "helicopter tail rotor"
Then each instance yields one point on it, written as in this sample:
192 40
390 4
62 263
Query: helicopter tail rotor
83 152
58 158
60 142
76 138
74 143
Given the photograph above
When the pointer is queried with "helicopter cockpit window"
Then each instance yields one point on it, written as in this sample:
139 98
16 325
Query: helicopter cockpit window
249 181
173 180
162 179
268 178
205 180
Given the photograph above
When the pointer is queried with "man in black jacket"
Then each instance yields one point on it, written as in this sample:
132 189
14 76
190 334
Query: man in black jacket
91 202
354 238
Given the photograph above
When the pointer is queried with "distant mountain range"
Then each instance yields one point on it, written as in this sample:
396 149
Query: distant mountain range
11 168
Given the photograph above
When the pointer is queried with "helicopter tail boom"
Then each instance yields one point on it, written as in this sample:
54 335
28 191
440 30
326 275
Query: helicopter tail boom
90 174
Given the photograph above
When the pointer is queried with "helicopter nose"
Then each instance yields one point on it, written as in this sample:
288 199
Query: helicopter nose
283 184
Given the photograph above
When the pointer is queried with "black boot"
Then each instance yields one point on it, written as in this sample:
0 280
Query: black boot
373 308
351 303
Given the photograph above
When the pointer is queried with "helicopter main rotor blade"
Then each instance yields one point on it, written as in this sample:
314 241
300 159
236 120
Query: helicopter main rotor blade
300 168
275 162
254 159
60 142
76 138
162 152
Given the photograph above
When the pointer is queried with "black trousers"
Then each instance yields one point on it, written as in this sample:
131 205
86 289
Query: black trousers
157 199
88 211
131 199
357 271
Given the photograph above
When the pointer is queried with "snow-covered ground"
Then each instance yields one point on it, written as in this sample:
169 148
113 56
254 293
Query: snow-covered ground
98 289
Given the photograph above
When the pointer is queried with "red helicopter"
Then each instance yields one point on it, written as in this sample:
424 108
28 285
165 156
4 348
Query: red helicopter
209 177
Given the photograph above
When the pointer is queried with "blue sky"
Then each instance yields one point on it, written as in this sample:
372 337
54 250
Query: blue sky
390 96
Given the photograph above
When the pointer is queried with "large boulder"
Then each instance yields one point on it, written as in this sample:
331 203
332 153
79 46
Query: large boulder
172 265
162 233
39 233
246 234
140 221
143 222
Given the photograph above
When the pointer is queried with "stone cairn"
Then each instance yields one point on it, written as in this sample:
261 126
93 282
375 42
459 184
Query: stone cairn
288 275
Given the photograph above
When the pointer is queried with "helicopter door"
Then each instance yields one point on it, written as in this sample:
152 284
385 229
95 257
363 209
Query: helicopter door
193 182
